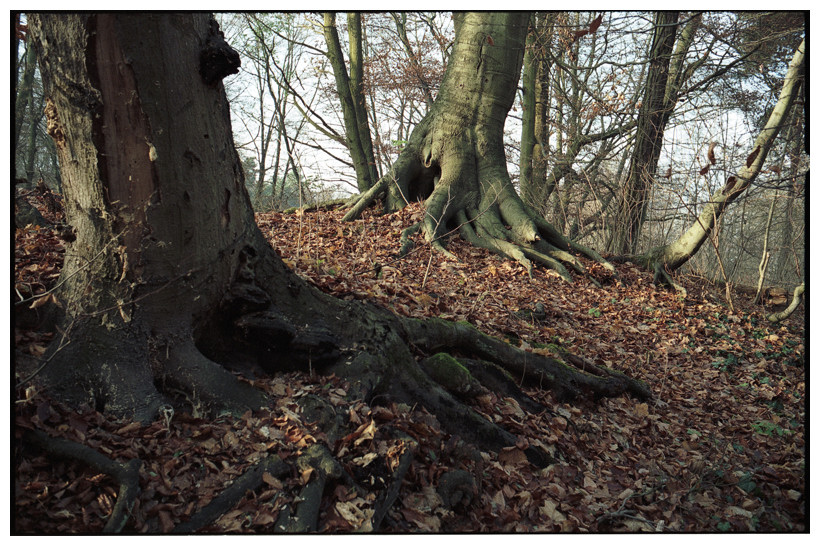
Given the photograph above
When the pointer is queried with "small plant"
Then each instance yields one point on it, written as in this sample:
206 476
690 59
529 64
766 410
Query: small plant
693 433
594 312
726 364
767 428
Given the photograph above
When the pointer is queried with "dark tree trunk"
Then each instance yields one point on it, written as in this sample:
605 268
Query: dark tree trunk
25 96
357 130
651 124
155 194
455 157
169 274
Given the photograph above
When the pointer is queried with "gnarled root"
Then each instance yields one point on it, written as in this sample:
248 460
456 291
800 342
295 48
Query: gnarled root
476 198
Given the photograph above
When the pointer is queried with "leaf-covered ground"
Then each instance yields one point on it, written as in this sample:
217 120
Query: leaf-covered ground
720 448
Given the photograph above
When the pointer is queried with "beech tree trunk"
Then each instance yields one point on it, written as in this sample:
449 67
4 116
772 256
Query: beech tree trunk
169 281
349 87
155 195
455 158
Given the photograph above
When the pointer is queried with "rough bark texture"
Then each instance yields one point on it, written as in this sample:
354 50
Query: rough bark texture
455 156
169 274
155 194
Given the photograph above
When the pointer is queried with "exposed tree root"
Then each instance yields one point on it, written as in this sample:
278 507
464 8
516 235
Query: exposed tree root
227 499
383 355
305 517
566 380
796 299
125 474
653 262
386 499
482 206
206 383
290 325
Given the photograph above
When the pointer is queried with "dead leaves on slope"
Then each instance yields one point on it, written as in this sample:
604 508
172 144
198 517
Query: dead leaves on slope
721 448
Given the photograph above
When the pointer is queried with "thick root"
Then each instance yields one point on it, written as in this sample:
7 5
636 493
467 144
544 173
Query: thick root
249 481
207 385
125 474
564 378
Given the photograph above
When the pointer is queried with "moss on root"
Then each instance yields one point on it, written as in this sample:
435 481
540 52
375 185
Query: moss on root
451 374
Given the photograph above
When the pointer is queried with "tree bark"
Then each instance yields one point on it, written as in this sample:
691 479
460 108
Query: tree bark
170 281
532 64
25 96
357 131
655 111
354 32
455 158
146 170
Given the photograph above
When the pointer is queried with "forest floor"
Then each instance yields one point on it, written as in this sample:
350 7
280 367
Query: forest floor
719 448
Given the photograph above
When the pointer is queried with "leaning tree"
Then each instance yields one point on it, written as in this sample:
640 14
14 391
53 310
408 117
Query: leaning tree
168 279
670 257
455 160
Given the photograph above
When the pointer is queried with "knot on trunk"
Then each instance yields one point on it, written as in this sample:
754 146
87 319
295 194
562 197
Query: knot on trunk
217 59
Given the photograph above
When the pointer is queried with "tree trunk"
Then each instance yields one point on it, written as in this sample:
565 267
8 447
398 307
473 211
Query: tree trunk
354 33
532 63
357 130
765 255
169 274
146 170
25 96
654 113
672 256
36 114
455 158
